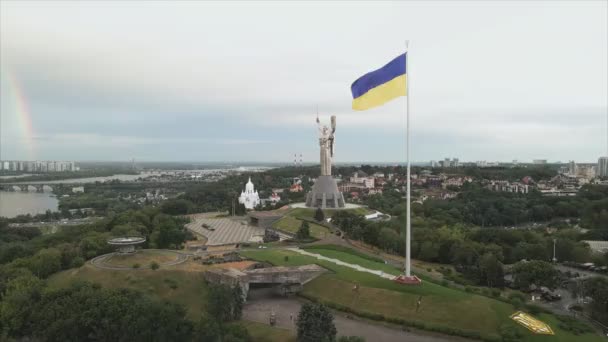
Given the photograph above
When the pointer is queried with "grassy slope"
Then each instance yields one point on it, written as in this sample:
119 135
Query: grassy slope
291 225
265 333
440 305
304 213
190 291
292 221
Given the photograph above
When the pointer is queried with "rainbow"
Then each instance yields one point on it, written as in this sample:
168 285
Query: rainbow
18 110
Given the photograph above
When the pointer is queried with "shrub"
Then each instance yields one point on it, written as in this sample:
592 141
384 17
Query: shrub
136 265
172 283
533 309
154 265
468 289
517 303
445 283
286 258
573 325
77 261
495 293
520 296
576 307
509 333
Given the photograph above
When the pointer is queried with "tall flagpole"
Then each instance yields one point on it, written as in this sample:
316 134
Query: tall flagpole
408 227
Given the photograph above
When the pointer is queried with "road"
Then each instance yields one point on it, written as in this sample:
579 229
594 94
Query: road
583 273
261 303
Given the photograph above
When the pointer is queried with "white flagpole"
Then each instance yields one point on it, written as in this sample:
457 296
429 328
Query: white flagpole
408 227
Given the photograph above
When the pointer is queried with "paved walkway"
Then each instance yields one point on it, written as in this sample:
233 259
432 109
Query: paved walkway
345 264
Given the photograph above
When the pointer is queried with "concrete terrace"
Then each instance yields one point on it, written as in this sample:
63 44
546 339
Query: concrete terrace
224 230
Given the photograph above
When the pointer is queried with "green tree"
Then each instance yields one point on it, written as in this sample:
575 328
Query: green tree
597 289
17 305
225 303
303 232
45 262
539 273
491 270
429 251
237 302
351 339
208 329
319 215
315 324
240 209
177 207
86 312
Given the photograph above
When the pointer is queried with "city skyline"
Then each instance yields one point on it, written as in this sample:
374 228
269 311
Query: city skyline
202 89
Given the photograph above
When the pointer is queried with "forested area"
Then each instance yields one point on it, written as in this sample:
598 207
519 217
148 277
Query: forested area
482 207
30 310
471 249
26 250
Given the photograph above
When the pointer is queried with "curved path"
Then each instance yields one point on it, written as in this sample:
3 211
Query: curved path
100 261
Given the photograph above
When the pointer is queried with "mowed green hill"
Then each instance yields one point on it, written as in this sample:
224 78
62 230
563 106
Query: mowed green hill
442 308
181 285
178 286
292 221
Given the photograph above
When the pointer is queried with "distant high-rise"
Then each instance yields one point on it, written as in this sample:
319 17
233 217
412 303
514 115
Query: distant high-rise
602 167
572 168
38 166
539 161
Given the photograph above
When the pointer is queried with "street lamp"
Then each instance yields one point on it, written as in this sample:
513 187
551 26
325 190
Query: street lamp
554 258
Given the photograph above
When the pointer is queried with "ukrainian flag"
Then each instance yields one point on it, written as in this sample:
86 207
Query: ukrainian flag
380 86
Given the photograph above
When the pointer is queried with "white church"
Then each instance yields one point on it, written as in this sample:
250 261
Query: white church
249 197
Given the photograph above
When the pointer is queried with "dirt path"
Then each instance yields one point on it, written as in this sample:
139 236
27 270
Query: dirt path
261 303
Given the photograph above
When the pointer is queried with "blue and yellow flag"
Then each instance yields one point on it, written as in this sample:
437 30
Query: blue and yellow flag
380 86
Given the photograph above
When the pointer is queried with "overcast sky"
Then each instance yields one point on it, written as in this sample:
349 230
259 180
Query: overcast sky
240 81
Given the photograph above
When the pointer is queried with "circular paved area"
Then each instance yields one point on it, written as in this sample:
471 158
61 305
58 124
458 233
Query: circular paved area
102 260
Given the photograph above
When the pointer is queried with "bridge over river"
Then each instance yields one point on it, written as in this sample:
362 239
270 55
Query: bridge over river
26 187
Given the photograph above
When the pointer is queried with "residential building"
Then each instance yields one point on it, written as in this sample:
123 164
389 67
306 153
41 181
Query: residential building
362 177
572 168
602 167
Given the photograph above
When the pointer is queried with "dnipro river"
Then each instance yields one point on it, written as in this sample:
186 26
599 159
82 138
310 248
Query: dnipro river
22 203
86 180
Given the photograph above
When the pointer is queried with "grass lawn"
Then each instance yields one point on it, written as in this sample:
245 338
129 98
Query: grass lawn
142 257
178 286
265 333
441 306
304 213
291 225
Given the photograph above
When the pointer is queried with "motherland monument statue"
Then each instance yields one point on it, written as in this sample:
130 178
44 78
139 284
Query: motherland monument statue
325 193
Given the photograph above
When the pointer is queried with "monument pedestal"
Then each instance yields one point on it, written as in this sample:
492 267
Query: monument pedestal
405 280
325 194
